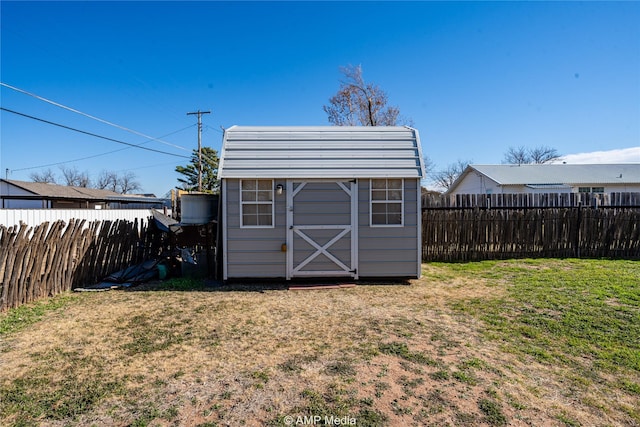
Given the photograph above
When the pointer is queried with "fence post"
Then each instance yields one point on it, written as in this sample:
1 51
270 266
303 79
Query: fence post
576 248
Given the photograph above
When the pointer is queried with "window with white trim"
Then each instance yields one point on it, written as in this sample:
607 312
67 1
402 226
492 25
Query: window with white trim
590 189
387 202
256 203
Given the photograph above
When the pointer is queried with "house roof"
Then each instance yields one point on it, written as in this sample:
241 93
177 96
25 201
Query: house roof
321 152
545 174
54 191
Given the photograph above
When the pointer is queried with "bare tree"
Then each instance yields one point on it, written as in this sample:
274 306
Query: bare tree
107 180
429 166
525 156
127 183
75 178
446 177
516 156
358 103
543 154
46 176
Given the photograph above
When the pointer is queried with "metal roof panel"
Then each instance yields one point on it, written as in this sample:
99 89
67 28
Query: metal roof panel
321 151
562 173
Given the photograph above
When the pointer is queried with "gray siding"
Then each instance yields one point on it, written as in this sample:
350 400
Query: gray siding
388 251
382 251
254 252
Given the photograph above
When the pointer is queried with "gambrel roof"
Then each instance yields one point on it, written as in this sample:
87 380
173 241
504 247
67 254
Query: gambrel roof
321 152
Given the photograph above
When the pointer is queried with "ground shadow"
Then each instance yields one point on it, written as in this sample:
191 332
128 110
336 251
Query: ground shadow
261 285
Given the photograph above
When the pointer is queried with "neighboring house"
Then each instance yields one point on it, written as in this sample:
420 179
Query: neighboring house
34 195
547 178
321 202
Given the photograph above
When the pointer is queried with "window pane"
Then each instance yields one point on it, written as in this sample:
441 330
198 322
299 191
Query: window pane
264 184
379 208
248 184
394 208
394 219
264 196
249 209
395 194
378 219
249 220
379 184
264 209
396 184
378 195
248 196
264 219
597 190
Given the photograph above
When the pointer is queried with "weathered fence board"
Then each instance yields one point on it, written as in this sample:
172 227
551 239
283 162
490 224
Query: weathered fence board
480 234
48 259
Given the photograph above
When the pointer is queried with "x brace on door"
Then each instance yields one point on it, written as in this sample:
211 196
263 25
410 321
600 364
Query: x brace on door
320 249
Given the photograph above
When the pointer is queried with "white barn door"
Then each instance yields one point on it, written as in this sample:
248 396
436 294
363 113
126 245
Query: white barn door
322 228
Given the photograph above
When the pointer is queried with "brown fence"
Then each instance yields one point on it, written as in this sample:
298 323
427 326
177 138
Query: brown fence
480 234
539 200
45 260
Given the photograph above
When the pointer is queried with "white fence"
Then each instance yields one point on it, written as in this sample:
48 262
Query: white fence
34 217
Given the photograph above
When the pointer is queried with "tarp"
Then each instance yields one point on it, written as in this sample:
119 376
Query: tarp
126 278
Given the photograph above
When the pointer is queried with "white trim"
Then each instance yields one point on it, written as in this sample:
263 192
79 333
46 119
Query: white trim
336 273
416 135
322 227
289 225
419 227
387 201
354 229
344 187
258 202
225 224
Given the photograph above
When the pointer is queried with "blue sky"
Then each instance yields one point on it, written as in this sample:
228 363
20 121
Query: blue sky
475 77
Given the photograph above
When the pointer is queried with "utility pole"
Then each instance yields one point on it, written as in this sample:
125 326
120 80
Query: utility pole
199 114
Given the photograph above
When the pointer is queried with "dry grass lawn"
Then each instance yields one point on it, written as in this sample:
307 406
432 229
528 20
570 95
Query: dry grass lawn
424 353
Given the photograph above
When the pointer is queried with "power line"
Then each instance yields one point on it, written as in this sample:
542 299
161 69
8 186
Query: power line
98 119
57 104
92 134
95 155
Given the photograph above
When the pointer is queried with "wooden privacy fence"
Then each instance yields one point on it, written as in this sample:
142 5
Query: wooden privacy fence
529 200
481 234
47 259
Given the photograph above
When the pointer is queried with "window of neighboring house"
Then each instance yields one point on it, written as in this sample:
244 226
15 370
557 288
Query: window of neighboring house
256 202
590 189
387 202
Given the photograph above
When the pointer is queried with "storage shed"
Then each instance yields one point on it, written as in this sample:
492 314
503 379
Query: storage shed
321 202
